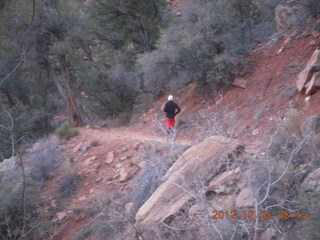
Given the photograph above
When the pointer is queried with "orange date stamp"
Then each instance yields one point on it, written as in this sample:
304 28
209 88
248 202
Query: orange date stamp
263 214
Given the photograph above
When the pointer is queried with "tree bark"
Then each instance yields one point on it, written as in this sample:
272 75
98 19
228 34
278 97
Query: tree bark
68 92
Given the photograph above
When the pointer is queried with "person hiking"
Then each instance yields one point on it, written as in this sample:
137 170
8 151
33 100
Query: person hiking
171 109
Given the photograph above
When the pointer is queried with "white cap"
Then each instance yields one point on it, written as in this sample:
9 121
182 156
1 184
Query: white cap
170 98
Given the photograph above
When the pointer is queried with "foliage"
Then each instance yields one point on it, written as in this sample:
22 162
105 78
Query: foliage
65 131
12 216
129 23
110 91
202 44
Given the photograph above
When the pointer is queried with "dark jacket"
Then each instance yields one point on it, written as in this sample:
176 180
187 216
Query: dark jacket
170 109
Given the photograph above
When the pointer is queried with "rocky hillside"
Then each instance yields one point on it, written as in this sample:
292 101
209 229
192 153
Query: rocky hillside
244 165
260 161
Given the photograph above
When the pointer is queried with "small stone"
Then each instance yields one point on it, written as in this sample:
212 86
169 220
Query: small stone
124 158
89 160
124 149
98 165
142 164
82 198
255 132
118 165
110 157
123 175
128 207
61 215
116 176
80 217
91 190
245 198
53 203
98 180
77 148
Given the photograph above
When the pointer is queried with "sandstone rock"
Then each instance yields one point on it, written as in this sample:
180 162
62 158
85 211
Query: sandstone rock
90 160
80 217
110 157
77 148
313 83
128 207
123 150
123 175
245 198
53 203
124 158
61 216
240 82
98 165
98 180
307 74
255 132
116 176
82 198
200 160
225 183
118 165
312 182
142 164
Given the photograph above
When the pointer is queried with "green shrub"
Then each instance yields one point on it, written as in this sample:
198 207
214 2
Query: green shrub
65 131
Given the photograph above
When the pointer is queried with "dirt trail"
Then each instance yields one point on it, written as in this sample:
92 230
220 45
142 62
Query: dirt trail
98 177
128 134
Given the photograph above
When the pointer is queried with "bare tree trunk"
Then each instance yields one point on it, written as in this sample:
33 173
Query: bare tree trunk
68 93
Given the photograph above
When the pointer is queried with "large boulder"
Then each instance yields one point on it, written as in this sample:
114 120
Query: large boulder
199 163
289 17
309 77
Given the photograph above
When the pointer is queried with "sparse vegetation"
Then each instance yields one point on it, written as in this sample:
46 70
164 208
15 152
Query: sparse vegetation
65 131
94 143
68 185
44 159
17 221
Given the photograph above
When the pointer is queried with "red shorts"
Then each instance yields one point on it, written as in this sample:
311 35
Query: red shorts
170 122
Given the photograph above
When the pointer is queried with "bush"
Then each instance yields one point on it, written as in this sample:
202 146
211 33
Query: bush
12 215
204 43
65 131
68 185
43 159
